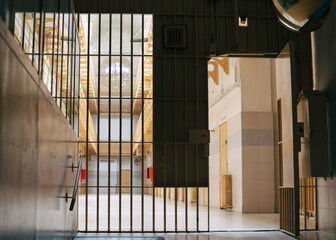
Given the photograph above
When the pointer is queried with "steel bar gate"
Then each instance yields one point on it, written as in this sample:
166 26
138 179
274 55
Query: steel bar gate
118 194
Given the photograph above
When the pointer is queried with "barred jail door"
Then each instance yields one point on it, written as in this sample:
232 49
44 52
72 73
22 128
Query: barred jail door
288 140
143 121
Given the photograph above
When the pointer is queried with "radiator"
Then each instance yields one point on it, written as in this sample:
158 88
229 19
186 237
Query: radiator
226 191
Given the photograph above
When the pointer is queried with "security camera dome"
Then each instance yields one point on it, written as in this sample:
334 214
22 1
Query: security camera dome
302 15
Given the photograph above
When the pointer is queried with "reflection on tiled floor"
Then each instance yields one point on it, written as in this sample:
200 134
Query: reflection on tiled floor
219 219
270 235
316 235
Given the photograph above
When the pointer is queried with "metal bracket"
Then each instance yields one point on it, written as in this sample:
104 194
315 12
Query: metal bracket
299 134
300 130
66 197
72 167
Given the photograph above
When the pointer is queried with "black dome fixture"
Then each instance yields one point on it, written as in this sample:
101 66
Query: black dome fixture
302 15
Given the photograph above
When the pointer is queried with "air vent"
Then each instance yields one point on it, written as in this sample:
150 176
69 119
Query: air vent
175 36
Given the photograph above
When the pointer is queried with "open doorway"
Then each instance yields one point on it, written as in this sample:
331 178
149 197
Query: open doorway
251 170
242 163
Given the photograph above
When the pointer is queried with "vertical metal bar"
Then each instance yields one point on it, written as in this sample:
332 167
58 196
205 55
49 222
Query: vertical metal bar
258 28
33 48
41 48
87 124
197 115
185 124
154 119
247 30
98 116
131 147
206 30
58 39
304 203
52 55
39 39
315 203
142 116
23 30
61 86
79 83
175 125
73 60
120 120
68 57
109 128
164 126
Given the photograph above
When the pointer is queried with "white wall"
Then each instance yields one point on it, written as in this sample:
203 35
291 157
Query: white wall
114 173
115 126
246 106
326 199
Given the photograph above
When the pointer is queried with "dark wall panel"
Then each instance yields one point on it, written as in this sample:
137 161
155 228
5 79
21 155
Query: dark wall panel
37 144
324 47
324 52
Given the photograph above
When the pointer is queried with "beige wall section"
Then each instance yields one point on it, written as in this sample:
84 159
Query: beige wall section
235 161
247 108
258 162
257 135
283 86
256 84
214 170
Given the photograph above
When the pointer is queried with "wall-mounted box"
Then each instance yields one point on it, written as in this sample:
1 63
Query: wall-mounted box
314 155
199 136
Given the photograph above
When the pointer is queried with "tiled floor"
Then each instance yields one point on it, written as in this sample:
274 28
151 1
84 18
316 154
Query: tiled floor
315 235
270 235
219 219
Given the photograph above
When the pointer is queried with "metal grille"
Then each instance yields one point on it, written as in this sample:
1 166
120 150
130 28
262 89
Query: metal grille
308 213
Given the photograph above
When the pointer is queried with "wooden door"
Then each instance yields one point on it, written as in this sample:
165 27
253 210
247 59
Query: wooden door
125 181
193 195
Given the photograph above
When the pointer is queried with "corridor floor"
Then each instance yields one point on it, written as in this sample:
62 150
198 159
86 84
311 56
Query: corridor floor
269 235
219 219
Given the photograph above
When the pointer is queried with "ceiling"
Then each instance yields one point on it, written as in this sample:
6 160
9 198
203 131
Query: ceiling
121 30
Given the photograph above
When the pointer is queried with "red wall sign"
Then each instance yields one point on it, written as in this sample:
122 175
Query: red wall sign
150 173
83 174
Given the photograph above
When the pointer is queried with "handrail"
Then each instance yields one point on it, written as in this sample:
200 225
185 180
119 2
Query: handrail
74 194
